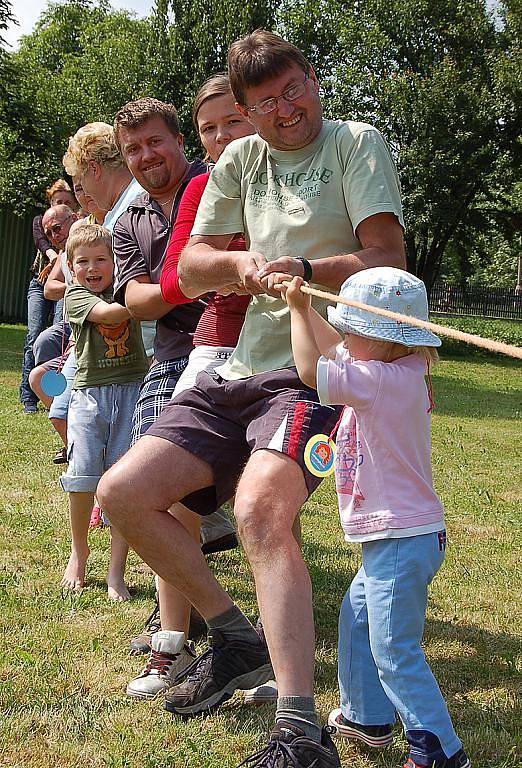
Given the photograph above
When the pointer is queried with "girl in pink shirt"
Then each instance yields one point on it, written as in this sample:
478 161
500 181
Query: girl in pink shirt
377 368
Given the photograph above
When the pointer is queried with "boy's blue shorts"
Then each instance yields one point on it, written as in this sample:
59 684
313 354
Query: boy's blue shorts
98 433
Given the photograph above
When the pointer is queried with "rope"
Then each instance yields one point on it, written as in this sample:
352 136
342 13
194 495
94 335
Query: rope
443 330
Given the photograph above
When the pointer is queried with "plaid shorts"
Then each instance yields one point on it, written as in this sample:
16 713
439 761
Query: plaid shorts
156 391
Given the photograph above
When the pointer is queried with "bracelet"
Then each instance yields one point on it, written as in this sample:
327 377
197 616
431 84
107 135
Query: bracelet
307 268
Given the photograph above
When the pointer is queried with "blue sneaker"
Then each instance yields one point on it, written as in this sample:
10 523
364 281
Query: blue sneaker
458 760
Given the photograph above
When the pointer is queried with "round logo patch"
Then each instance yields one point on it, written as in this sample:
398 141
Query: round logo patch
319 455
53 383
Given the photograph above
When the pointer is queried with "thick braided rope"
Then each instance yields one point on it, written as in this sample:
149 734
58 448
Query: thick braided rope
443 330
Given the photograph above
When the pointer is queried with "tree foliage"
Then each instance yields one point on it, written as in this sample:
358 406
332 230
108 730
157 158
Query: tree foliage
80 64
440 78
441 82
194 36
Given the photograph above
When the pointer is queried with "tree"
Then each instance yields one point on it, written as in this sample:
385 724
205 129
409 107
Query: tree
84 60
198 34
436 76
81 63
6 18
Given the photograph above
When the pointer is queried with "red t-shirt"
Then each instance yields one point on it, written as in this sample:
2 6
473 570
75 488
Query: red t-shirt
221 322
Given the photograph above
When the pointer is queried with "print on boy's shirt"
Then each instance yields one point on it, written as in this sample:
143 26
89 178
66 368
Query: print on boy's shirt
115 337
349 458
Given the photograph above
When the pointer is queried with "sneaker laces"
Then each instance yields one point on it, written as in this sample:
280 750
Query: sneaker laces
159 662
276 754
200 667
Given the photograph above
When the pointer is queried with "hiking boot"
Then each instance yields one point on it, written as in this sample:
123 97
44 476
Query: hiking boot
168 657
458 760
213 677
261 694
142 642
372 735
289 747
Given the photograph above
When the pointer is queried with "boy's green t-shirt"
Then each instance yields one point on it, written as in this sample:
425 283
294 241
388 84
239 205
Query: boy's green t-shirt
306 202
104 354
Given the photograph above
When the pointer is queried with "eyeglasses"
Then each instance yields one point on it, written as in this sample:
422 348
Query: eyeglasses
55 228
291 94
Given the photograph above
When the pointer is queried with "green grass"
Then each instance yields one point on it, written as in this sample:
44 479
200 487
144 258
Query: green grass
64 662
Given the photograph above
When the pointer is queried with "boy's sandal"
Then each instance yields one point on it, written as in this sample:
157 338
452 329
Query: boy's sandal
60 457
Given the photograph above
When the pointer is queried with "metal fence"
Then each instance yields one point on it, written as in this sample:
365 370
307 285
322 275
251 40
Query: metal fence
17 252
499 303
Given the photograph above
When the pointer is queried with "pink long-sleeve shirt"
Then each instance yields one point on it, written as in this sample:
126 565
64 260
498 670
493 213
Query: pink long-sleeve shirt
383 469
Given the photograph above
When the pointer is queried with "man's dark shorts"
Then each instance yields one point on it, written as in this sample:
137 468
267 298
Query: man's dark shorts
223 422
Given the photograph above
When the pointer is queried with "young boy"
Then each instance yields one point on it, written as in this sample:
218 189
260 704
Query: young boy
111 364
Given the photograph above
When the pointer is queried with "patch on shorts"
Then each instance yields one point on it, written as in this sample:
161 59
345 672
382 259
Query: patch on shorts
442 541
319 455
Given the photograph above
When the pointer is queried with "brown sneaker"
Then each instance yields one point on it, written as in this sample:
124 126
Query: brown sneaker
142 642
288 746
212 678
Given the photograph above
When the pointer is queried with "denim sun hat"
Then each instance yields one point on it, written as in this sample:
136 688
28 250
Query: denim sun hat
385 288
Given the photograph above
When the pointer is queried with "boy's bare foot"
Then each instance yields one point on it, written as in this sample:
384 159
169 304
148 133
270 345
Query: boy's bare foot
117 590
74 576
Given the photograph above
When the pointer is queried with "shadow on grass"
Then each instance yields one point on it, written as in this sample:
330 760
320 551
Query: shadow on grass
456 397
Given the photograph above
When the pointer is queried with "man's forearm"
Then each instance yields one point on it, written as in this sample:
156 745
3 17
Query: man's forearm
332 271
54 290
202 269
144 301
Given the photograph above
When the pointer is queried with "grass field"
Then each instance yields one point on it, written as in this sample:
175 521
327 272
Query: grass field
64 662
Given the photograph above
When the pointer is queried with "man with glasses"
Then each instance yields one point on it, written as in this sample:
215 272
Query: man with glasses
55 222
315 198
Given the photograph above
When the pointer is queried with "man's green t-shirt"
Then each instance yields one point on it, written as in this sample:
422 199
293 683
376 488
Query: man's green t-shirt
105 354
306 202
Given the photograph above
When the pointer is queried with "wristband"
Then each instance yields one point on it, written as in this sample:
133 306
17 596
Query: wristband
307 269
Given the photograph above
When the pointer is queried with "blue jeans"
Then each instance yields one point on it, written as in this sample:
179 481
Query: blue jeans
50 342
39 311
382 667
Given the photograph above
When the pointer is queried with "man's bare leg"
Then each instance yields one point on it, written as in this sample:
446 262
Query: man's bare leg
135 494
170 653
268 499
